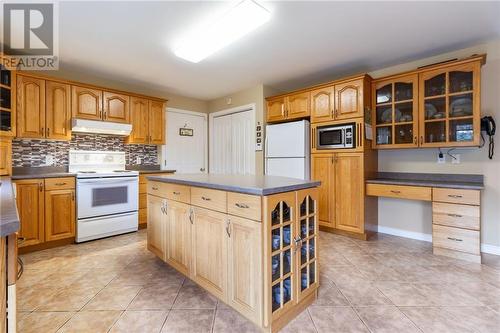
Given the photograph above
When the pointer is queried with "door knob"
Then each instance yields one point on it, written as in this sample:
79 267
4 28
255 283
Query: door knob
202 169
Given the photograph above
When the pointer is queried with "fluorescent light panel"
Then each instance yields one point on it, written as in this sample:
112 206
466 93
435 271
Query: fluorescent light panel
236 23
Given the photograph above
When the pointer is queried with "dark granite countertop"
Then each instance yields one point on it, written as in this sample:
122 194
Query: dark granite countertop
9 220
465 181
40 172
248 184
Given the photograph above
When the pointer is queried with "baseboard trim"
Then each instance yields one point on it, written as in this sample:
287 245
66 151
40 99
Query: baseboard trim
485 248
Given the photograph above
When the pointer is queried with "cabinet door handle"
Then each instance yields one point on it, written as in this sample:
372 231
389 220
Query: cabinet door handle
41 187
297 242
73 195
241 205
395 191
206 198
455 215
421 139
48 131
416 140
336 113
455 239
154 188
42 130
60 184
228 226
176 193
456 196
191 217
282 110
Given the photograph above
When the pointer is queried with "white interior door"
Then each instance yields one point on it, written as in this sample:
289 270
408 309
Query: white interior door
233 143
186 154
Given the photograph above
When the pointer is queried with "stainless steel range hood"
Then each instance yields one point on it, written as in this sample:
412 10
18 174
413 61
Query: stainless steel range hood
100 127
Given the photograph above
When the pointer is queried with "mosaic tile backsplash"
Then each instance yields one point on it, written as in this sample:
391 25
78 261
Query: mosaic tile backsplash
32 152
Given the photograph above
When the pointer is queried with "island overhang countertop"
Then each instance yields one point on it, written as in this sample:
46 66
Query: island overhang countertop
248 184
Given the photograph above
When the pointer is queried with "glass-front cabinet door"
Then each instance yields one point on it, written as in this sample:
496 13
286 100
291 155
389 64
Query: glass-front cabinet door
449 104
395 112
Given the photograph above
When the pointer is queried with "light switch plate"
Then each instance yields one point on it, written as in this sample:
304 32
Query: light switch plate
49 160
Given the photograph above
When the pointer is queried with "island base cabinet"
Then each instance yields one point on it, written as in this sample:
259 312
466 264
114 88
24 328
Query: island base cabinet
178 244
209 251
156 226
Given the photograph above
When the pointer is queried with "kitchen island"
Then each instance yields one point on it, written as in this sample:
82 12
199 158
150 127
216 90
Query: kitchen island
251 241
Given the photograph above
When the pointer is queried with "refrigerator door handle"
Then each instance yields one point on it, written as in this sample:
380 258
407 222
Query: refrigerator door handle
265 154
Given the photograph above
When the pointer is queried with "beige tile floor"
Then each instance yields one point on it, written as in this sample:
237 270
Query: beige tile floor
389 284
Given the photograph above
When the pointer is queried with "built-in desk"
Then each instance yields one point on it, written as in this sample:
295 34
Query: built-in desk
456 207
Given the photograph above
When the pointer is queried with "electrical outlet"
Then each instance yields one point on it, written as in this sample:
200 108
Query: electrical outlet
441 158
455 160
49 160
138 160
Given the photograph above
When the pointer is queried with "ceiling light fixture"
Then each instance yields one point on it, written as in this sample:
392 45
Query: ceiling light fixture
234 24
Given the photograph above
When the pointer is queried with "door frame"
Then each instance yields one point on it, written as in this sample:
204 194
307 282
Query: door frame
163 148
241 108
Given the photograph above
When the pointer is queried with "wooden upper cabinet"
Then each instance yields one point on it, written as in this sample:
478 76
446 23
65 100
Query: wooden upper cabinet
322 104
30 107
30 205
349 187
298 105
139 115
395 112
276 109
5 157
86 103
116 107
58 110
323 169
156 123
59 214
349 99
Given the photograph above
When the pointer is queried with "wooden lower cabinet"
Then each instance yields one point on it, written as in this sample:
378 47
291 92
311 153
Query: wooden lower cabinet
59 214
157 220
323 170
46 213
178 240
266 268
209 251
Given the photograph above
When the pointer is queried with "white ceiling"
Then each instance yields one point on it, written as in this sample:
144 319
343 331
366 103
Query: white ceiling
305 42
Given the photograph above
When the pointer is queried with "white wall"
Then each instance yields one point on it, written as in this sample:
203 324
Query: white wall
415 216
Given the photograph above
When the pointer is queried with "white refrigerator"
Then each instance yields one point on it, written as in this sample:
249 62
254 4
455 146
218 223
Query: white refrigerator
287 150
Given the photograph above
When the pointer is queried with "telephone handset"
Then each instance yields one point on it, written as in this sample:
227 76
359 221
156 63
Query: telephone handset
488 125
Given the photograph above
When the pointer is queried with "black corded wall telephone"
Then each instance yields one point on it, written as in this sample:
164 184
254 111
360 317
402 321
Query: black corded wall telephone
488 125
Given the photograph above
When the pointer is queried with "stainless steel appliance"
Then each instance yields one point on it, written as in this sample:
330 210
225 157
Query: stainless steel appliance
336 136
107 194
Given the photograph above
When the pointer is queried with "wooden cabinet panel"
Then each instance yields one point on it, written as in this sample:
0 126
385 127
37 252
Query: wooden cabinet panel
59 214
139 114
209 251
298 105
116 107
453 215
349 187
5 157
323 170
63 183
399 191
177 192
349 99
208 198
143 216
245 269
30 107
244 205
322 104
86 103
276 109
156 123
58 110
178 243
157 226
457 239
31 208
459 196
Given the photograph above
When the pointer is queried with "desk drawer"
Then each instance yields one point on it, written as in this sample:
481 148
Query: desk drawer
399 191
453 215
178 193
244 205
463 240
64 183
468 197
211 199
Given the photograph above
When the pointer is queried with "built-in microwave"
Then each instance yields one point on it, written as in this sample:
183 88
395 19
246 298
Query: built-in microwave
336 136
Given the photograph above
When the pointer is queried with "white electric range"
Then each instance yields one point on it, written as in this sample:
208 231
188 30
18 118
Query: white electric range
107 194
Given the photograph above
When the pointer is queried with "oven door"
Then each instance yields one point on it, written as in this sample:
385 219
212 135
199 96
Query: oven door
330 137
106 196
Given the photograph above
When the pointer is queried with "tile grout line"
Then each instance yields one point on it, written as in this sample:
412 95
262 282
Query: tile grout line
172 306
352 307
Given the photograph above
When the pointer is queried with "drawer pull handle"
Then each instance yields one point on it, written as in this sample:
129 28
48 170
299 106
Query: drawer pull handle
455 239
456 196
395 192
240 205
206 199
176 193
154 188
455 215
60 184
